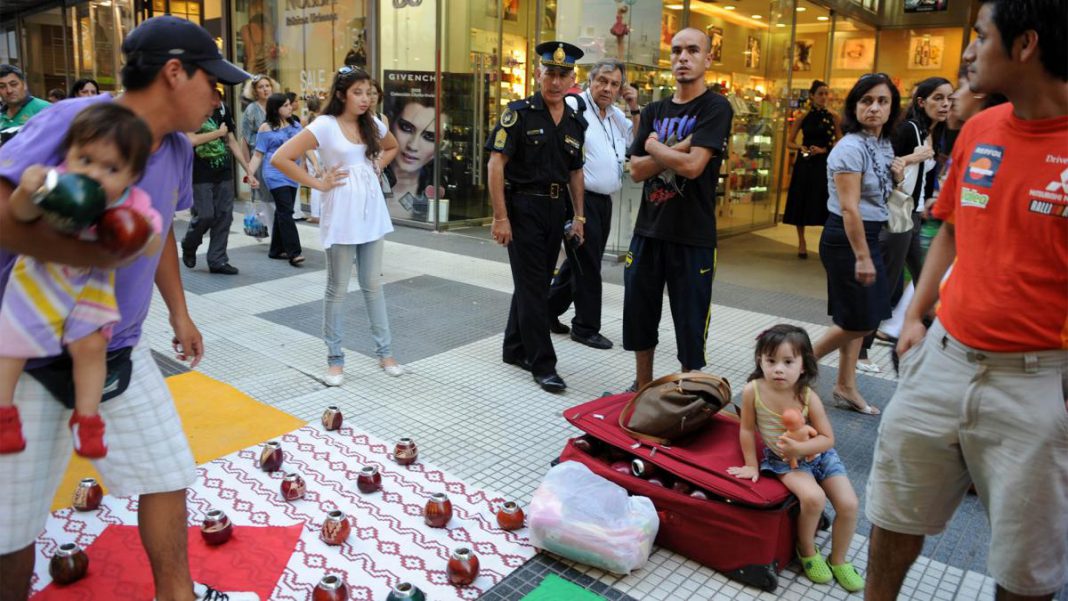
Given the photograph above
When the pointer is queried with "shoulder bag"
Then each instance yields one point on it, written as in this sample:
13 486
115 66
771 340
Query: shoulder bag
673 406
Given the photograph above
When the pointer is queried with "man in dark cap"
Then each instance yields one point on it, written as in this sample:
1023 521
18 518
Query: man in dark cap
535 159
169 77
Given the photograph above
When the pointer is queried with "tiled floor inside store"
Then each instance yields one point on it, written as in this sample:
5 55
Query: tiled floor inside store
487 422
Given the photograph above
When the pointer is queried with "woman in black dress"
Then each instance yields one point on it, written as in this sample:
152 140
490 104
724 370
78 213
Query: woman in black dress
806 202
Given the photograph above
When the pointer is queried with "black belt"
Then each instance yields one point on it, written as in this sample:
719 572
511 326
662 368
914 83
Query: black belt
589 193
553 190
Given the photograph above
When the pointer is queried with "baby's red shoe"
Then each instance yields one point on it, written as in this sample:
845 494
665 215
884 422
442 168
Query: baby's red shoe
11 439
88 432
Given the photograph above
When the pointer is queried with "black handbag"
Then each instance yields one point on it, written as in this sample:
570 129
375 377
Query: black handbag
58 379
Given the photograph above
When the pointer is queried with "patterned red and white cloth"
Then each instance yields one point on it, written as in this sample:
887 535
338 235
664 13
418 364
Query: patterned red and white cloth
389 541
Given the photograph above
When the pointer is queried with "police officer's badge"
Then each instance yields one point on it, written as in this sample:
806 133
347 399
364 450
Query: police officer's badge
508 117
500 140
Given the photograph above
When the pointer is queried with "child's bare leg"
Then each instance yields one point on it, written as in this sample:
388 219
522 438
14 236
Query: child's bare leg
89 357
10 370
844 500
812 499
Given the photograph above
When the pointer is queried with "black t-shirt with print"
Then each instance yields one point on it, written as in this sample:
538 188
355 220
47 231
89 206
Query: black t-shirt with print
674 208
213 161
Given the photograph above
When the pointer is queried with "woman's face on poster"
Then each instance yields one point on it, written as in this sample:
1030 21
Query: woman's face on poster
414 130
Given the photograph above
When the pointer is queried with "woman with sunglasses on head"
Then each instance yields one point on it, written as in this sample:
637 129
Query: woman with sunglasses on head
861 173
353 145
277 129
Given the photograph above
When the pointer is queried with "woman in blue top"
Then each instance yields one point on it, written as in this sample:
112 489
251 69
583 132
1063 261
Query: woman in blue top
276 130
861 173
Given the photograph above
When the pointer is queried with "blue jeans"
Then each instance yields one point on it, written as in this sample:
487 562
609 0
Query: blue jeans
339 259
825 465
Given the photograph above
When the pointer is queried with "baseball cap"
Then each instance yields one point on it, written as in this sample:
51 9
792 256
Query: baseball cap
165 37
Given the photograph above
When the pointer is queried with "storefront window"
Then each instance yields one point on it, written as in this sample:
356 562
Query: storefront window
47 38
98 28
912 55
852 55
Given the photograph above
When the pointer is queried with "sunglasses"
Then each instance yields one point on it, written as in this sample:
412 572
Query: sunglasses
346 70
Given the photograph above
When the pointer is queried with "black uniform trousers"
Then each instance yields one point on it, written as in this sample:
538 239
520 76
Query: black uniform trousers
584 284
537 229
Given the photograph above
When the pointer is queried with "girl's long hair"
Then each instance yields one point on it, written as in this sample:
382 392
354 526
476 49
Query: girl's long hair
768 341
275 102
343 80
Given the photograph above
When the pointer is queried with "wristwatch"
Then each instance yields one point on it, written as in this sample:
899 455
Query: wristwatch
635 111
580 218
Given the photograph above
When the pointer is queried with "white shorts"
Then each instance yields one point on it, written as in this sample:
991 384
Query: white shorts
999 420
147 450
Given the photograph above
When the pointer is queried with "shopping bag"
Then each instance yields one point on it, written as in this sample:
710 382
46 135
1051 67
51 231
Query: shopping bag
581 516
254 217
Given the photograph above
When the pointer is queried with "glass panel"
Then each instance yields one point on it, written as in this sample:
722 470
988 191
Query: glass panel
47 38
853 54
912 55
9 45
767 143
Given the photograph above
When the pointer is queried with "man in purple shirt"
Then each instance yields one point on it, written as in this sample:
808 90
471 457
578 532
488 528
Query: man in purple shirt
167 58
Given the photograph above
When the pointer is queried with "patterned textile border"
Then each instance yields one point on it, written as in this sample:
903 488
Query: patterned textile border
389 541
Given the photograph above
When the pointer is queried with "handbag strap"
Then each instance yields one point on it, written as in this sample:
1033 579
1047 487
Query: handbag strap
629 409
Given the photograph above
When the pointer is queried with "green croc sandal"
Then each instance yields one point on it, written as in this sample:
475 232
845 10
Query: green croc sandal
816 568
848 577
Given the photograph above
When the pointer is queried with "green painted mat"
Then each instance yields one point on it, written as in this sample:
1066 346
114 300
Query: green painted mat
555 588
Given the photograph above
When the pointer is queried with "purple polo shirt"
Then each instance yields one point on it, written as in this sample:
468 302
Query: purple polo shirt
167 179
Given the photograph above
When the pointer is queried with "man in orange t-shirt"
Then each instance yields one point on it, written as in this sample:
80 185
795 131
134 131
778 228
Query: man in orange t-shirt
981 396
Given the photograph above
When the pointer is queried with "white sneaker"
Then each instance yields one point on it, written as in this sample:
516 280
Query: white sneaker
206 593
333 379
867 366
394 369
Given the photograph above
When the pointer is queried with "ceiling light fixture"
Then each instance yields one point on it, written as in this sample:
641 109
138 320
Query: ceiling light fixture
800 9
822 18
758 16
729 7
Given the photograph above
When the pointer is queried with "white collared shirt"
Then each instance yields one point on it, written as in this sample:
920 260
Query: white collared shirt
605 147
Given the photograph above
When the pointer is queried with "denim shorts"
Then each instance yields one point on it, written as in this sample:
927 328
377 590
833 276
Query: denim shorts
825 465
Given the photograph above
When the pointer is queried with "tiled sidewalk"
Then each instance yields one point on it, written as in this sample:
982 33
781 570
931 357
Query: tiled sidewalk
488 422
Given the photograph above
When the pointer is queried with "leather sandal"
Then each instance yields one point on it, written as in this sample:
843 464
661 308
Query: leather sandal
843 402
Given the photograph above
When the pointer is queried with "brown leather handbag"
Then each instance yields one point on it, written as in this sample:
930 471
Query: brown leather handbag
671 407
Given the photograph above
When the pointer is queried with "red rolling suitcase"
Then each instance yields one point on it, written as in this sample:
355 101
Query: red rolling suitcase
745 530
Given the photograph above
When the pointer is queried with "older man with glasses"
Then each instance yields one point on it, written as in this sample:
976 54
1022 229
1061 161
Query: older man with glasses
608 133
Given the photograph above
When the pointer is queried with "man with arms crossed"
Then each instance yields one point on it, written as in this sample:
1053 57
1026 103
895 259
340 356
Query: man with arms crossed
982 394
167 58
677 152
608 132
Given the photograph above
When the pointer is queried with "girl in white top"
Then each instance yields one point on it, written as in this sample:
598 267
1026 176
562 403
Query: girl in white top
352 146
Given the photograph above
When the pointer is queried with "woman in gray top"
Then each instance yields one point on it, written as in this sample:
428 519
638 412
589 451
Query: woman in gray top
861 173
256 92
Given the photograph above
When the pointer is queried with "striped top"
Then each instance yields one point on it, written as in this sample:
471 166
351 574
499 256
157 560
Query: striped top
769 423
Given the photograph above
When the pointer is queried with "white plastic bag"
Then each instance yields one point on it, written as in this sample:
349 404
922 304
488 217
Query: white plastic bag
581 516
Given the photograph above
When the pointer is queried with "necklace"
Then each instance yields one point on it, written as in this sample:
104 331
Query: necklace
355 130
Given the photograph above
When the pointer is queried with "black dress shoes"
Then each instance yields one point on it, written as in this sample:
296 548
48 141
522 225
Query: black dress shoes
520 363
594 340
189 259
551 383
556 327
225 269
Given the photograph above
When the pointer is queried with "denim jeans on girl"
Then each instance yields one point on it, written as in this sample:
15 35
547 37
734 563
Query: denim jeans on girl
339 259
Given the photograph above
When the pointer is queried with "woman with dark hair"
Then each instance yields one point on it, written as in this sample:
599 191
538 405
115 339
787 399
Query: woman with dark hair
277 129
377 96
806 202
56 94
84 87
861 173
413 169
353 146
914 143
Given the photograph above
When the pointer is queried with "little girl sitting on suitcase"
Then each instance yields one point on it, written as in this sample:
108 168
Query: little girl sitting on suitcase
785 367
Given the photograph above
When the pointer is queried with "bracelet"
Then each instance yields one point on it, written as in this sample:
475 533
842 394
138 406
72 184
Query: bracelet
580 218
503 219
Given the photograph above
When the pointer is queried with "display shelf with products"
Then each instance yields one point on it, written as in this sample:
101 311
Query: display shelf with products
746 175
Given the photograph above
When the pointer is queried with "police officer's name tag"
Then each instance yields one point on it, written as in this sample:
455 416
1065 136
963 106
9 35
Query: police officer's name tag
572 142
500 140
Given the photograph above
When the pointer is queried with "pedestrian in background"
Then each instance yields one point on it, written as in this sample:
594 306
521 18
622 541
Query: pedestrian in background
806 201
254 97
215 148
861 173
276 130
18 104
84 87
535 159
608 133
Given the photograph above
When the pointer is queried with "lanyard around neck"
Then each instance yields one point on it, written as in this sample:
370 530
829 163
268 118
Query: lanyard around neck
608 131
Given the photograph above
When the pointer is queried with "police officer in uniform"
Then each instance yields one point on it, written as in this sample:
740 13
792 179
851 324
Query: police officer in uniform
535 168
